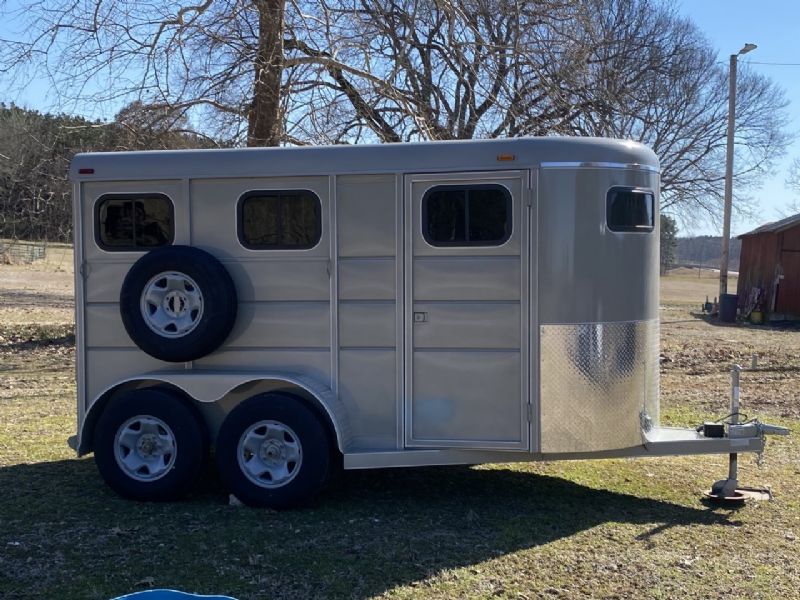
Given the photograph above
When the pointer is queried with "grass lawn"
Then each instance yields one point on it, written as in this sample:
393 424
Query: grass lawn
580 529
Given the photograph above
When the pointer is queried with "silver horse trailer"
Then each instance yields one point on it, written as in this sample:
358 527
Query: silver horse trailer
368 306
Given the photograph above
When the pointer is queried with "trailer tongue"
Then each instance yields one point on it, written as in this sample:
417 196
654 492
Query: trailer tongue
718 437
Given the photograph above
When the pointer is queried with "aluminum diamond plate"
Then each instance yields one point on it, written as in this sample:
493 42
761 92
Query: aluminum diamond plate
596 378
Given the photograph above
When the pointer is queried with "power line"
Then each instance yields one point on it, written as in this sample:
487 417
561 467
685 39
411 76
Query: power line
755 62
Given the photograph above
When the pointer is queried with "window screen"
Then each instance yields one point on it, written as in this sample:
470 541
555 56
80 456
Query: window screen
133 222
280 220
630 209
478 215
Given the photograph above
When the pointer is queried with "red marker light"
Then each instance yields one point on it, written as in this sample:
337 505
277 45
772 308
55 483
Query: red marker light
86 171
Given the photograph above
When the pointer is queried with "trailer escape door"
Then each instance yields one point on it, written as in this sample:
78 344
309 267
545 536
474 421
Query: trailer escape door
466 310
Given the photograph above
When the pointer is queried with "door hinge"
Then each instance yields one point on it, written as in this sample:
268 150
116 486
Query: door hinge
530 413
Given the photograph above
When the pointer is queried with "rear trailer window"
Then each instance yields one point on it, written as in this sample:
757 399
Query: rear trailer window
280 220
630 210
133 222
477 215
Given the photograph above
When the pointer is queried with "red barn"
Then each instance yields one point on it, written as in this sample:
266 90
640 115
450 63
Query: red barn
769 268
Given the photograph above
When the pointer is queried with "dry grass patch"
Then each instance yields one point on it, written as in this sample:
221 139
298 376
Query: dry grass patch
41 292
690 287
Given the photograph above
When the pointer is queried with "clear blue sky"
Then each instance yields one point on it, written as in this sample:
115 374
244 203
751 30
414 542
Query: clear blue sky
772 24
775 26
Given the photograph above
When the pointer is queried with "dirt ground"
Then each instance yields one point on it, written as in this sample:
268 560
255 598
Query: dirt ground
41 292
698 351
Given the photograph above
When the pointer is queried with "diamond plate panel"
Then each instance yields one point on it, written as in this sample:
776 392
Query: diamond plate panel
596 378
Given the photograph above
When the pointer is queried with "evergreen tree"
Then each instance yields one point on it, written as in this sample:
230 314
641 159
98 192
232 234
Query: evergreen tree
669 242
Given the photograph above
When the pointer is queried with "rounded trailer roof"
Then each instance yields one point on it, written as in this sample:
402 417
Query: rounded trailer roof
463 155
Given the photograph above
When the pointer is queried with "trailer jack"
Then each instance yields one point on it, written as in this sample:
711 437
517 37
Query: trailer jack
728 491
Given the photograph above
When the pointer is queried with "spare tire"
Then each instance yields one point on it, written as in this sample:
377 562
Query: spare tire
178 303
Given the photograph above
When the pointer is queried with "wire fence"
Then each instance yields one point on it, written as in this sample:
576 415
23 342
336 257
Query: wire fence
14 252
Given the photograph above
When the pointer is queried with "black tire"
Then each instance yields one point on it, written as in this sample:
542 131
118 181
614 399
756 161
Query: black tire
168 475
305 429
202 276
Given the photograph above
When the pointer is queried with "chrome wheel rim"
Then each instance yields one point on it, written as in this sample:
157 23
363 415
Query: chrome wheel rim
269 454
145 448
172 304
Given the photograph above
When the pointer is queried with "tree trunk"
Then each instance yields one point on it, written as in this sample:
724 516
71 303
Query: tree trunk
264 123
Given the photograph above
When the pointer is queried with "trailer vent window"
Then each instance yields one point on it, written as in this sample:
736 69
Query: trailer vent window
133 222
478 215
280 220
630 210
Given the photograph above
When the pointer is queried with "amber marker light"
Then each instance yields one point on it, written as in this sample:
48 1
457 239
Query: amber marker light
505 157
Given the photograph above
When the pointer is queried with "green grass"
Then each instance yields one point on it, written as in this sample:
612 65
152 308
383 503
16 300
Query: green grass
577 529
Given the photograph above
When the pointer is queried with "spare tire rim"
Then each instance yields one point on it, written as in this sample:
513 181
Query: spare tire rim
144 447
172 304
269 454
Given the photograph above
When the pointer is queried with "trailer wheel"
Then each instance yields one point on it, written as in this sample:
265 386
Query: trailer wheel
150 445
273 451
178 303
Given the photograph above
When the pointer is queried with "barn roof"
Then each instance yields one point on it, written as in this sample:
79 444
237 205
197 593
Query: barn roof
775 226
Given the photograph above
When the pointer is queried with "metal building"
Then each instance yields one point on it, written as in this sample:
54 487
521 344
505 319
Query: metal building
769 269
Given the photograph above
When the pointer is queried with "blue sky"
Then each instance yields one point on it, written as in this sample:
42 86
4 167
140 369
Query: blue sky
772 24
775 26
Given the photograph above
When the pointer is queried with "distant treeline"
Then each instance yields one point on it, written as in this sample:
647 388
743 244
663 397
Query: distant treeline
35 151
706 250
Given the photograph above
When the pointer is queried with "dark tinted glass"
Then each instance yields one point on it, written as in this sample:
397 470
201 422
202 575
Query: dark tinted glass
280 220
467 216
489 215
131 222
446 217
630 210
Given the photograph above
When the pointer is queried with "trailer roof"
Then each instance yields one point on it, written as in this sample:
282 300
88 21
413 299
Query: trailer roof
462 155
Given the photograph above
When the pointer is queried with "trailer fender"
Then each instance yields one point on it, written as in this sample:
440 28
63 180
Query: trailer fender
207 387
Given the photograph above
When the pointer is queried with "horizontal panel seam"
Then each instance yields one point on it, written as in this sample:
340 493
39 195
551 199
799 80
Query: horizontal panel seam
471 350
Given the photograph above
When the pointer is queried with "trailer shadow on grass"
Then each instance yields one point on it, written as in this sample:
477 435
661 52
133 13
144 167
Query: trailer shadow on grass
64 534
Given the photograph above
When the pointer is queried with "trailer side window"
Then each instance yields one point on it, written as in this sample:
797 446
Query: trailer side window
131 222
279 220
477 215
630 210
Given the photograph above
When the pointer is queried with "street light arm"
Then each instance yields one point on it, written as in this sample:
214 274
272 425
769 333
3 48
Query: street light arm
747 48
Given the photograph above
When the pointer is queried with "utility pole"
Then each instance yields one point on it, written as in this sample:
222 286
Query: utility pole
726 215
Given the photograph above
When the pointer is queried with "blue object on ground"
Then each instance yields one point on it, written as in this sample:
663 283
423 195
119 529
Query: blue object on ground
168 595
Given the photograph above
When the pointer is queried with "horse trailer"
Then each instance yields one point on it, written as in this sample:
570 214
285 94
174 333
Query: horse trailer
301 309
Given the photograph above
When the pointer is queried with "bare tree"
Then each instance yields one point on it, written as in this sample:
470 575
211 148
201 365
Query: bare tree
653 78
139 126
400 70
793 185
216 61
350 71
264 115
34 194
35 151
